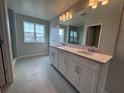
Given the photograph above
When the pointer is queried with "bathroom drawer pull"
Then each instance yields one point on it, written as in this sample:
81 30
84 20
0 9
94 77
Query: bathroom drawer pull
76 69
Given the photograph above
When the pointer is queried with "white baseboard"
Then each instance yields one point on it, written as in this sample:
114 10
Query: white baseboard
13 64
31 55
14 61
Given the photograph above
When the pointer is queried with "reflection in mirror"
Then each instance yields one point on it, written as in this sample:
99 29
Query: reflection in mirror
61 35
75 34
82 29
93 36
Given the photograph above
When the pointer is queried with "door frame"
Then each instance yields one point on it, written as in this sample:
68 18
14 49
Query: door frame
100 35
5 35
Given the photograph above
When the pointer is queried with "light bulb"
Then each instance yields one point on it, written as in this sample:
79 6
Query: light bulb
67 15
63 17
60 18
91 2
94 6
105 2
67 18
70 15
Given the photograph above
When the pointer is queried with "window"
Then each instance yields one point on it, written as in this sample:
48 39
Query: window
73 37
61 35
34 32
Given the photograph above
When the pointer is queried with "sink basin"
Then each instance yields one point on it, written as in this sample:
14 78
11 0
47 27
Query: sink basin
85 52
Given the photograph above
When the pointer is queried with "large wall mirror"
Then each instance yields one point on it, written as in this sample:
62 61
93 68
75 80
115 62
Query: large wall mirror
94 27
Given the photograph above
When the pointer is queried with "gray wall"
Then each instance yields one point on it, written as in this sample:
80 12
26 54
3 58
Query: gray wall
115 79
25 49
109 18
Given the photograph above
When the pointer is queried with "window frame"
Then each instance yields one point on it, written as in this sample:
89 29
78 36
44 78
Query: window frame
62 35
35 32
71 36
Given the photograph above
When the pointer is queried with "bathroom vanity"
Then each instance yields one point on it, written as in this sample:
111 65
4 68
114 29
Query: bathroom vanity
98 28
84 70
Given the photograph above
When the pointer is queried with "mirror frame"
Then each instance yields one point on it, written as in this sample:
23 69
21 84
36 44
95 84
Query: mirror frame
100 36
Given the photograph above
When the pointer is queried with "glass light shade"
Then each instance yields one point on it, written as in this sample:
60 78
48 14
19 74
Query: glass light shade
60 18
95 4
67 15
64 17
105 2
70 15
91 2
67 18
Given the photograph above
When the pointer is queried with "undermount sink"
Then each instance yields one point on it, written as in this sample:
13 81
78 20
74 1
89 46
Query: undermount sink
85 52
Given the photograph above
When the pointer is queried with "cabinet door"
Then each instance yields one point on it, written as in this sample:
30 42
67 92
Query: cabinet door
62 63
71 71
87 80
55 58
51 55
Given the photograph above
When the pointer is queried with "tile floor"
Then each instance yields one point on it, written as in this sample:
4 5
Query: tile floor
36 75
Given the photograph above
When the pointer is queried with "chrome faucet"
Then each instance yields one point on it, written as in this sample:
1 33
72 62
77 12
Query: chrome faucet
92 49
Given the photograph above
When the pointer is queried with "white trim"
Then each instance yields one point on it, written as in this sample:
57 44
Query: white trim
14 61
13 65
5 35
101 30
31 55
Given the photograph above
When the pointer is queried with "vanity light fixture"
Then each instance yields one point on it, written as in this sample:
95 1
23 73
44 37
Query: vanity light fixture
104 2
94 3
66 16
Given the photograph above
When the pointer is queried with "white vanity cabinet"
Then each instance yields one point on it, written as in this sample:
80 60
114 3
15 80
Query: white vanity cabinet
82 73
87 80
62 62
54 57
71 71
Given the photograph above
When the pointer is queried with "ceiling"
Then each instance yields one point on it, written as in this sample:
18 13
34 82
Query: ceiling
44 9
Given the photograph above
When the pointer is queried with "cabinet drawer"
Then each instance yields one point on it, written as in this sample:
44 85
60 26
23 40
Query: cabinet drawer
83 61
